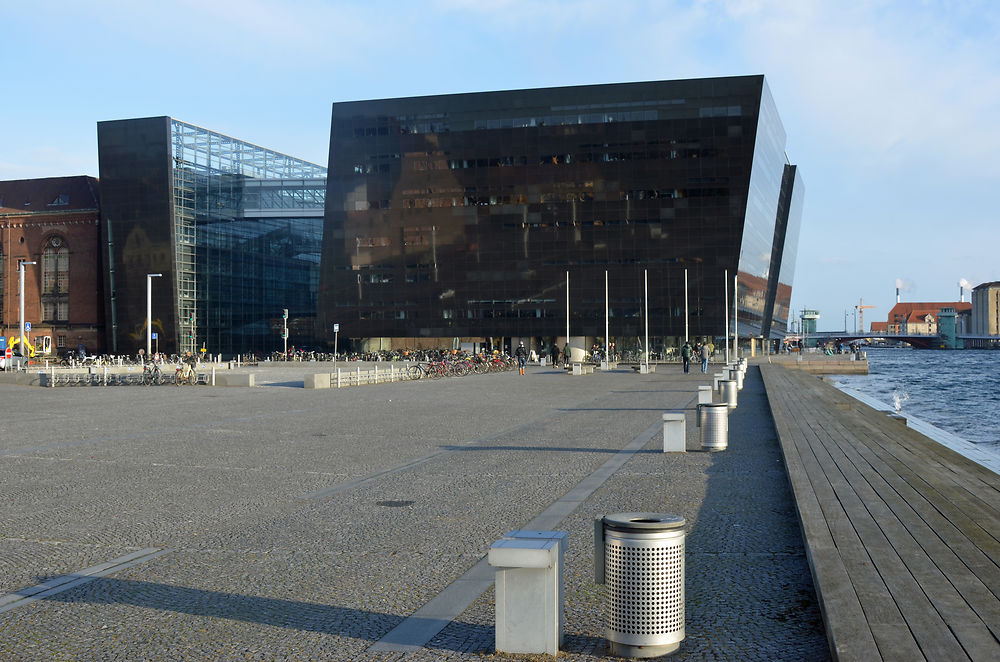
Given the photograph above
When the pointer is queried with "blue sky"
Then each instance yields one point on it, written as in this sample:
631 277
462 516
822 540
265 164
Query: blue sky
892 108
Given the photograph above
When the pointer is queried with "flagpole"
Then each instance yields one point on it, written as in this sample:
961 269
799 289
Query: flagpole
645 286
736 351
725 307
607 323
685 305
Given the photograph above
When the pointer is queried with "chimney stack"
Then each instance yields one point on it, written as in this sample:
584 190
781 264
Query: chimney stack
961 294
897 295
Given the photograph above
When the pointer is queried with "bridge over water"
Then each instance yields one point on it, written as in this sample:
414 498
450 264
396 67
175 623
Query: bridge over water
918 340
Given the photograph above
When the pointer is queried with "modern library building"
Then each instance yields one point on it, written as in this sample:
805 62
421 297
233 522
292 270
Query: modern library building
510 215
222 235
590 213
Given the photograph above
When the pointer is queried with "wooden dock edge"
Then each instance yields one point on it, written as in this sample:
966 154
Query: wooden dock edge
847 629
900 532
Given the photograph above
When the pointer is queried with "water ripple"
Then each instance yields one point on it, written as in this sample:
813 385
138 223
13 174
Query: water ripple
957 391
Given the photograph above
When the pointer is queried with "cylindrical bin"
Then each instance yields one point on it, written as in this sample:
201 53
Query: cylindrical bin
736 375
713 420
730 391
640 556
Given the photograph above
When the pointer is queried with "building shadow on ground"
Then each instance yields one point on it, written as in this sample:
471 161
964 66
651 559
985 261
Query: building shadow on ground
545 449
275 612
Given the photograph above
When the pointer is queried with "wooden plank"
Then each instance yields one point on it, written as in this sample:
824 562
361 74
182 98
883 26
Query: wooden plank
928 521
965 491
955 573
919 452
945 505
923 555
828 538
935 639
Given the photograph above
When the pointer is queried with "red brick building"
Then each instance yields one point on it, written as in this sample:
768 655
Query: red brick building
922 317
53 222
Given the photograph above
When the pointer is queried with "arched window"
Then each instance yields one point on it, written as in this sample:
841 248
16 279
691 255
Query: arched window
55 280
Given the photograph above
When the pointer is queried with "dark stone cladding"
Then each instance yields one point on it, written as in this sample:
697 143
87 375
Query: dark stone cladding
460 215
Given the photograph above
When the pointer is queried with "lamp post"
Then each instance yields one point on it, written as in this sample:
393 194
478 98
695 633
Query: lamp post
20 278
149 313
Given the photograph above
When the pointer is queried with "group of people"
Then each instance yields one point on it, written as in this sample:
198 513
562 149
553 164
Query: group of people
702 351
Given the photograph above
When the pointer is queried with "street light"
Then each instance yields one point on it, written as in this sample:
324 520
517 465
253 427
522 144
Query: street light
149 313
20 276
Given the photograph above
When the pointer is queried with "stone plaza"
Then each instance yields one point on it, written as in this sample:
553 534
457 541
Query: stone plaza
283 523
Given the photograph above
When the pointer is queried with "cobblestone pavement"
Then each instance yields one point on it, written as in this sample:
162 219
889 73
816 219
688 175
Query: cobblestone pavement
306 524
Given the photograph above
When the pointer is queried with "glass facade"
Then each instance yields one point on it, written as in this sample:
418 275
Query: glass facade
235 230
463 215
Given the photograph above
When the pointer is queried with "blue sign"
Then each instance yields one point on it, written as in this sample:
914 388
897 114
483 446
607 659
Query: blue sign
3 342
27 326
153 337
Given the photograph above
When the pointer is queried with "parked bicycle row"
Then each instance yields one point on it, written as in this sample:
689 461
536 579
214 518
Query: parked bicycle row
151 375
459 366
300 354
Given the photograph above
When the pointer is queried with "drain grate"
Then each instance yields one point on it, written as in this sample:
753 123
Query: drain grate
394 504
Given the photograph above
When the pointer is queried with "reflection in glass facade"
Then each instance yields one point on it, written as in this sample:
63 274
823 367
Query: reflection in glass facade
461 215
234 228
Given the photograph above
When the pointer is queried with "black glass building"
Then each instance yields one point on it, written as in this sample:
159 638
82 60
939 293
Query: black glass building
234 229
462 216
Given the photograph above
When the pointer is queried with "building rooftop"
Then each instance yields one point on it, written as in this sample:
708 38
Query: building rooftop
49 194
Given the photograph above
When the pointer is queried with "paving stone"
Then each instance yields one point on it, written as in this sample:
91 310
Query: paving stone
410 484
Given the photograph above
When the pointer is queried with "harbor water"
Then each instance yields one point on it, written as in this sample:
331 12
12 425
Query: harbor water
957 391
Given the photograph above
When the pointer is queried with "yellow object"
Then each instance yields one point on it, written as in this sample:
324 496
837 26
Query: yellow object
13 341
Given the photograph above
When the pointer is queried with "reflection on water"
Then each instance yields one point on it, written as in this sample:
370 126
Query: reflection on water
957 391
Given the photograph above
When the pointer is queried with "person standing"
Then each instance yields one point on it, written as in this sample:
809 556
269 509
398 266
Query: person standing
686 353
706 352
521 354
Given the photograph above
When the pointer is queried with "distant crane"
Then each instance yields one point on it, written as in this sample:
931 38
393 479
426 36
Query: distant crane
861 313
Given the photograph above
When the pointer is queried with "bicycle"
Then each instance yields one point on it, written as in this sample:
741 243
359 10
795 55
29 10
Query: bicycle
152 375
182 376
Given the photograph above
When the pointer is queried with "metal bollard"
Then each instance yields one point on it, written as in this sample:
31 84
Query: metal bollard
674 434
640 557
713 420
530 617
704 395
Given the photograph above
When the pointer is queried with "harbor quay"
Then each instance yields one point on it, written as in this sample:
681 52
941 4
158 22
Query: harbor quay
285 523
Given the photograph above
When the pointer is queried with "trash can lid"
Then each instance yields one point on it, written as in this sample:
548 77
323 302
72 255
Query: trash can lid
643 522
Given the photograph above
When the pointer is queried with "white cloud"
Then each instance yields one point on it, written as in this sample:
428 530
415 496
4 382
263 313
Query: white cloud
888 82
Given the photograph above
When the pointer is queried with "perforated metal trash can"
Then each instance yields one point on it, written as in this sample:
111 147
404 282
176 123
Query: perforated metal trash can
640 557
736 375
713 419
730 392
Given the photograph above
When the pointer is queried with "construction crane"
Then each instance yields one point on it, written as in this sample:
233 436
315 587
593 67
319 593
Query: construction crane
861 313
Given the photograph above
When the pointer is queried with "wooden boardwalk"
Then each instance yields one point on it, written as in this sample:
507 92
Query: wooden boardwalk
902 534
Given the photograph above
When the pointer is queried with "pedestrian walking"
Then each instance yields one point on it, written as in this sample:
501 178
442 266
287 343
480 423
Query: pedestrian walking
521 354
686 353
706 352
